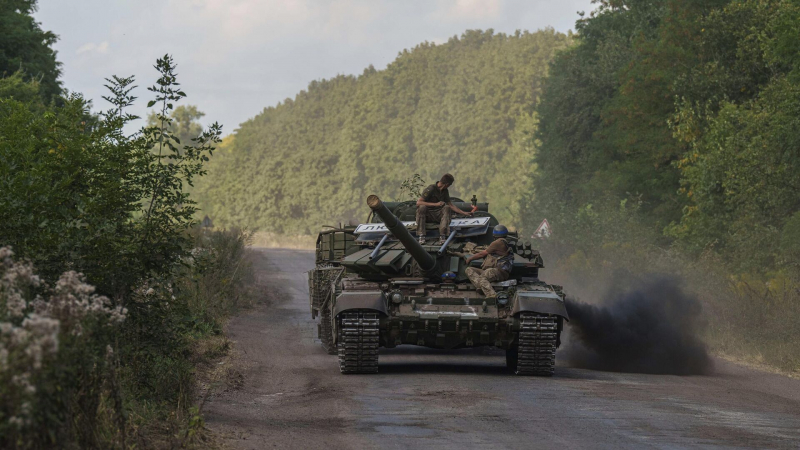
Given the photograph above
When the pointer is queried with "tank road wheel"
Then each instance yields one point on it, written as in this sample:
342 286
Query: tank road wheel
358 341
325 330
536 352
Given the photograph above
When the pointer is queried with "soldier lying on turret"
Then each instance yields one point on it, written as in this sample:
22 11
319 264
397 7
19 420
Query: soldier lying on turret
435 205
497 263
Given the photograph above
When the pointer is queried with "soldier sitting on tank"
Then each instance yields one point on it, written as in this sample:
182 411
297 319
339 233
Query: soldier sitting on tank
435 205
497 263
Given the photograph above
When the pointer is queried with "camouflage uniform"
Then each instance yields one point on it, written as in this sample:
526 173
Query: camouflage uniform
441 214
499 255
483 278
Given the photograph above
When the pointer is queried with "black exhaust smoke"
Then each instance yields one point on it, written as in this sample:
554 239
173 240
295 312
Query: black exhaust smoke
651 328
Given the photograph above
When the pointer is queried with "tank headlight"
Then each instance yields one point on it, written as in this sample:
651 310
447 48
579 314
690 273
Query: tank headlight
502 300
397 297
448 277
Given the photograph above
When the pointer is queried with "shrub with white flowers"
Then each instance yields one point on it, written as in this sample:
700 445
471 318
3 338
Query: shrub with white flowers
34 320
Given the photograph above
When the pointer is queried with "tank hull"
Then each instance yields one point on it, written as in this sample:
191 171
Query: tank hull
445 316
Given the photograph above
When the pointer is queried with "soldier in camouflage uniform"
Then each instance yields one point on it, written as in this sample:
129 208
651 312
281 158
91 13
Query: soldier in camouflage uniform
435 205
497 263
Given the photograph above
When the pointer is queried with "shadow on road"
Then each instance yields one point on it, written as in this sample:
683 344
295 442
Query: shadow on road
431 368
412 359
489 361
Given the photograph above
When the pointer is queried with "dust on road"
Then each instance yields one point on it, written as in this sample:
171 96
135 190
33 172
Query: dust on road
293 396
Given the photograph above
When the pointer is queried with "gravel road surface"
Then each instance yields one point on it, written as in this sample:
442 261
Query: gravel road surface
293 396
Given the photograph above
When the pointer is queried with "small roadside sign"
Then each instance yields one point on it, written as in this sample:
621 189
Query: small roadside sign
543 231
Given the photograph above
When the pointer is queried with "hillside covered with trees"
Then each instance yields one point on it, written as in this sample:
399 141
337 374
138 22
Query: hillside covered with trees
669 142
687 113
465 107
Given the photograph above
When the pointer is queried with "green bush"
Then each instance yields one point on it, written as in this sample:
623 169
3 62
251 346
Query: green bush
219 278
88 205
57 357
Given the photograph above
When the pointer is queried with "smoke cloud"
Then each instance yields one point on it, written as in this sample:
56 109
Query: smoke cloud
650 328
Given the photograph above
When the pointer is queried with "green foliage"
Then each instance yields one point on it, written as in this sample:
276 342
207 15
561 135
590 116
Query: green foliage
166 169
411 188
790 240
220 277
26 48
62 191
668 142
686 107
27 92
464 107
184 123
93 196
79 194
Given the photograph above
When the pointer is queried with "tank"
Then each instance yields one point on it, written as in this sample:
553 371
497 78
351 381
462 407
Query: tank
374 286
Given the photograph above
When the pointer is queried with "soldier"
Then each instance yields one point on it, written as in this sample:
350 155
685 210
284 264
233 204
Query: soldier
497 263
435 205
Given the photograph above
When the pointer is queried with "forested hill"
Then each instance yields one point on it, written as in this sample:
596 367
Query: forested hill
682 116
465 107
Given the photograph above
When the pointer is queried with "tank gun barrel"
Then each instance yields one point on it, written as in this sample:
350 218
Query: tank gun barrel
424 259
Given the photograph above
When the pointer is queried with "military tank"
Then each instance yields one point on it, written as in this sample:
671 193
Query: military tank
375 286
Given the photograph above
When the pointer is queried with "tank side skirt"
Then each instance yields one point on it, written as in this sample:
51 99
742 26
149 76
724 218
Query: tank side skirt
554 306
373 300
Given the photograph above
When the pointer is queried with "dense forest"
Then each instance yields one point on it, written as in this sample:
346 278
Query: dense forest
668 142
465 107
685 114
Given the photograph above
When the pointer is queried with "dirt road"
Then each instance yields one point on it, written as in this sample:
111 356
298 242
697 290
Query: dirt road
293 396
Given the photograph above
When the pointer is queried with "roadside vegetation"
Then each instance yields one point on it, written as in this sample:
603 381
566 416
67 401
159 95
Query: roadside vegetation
110 295
668 141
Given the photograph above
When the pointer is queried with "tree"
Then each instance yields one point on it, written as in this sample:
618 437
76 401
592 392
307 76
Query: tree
184 124
26 48
464 107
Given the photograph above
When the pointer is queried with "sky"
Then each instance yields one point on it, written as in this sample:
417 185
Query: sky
236 57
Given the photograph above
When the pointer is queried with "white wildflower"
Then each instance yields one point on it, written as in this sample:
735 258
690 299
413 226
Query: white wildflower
3 358
6 254
15 304
39 305
16 421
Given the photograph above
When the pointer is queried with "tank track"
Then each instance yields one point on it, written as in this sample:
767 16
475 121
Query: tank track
358 341
325 331
321 283
536 351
